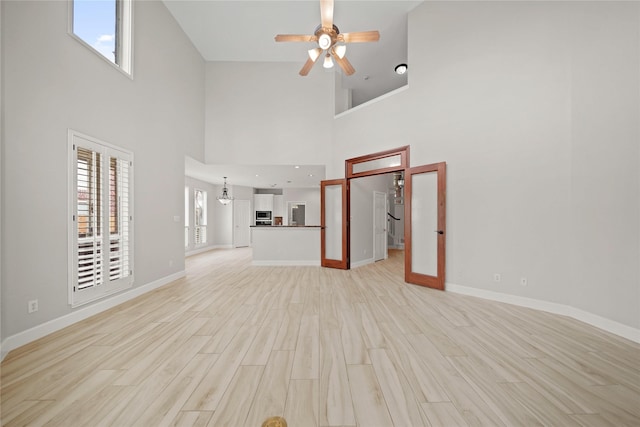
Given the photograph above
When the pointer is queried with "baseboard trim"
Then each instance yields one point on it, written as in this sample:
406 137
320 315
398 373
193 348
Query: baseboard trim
206 249
362 263
599 322
312 263
39 331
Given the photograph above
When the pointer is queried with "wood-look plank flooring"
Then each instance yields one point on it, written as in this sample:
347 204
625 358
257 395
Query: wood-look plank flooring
232 344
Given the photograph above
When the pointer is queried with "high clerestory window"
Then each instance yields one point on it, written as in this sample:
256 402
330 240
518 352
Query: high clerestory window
105 27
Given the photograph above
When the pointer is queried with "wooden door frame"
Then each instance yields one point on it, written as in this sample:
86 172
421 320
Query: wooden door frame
403 152
403 166
438 281
345 262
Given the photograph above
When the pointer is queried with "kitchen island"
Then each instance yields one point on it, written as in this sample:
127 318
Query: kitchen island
286 245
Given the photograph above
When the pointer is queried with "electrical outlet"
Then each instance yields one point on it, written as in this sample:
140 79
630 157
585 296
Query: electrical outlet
523 281
497 277
33 306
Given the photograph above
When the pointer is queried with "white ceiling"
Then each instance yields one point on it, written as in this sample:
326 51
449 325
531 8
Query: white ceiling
258 176
240 30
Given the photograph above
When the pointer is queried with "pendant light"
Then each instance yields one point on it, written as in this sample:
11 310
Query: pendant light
225 199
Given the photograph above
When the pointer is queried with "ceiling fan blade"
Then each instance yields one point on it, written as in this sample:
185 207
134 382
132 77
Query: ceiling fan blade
326 13
296 38
344 63
307 67
359 37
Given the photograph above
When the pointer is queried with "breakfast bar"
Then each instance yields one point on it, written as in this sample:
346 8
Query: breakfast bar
286 245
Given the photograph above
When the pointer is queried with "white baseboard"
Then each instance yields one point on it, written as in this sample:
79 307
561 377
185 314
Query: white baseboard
361 263
313 263
206 249
25 337
603 323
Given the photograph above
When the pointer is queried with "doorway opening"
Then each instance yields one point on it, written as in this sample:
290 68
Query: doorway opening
377 219
296 212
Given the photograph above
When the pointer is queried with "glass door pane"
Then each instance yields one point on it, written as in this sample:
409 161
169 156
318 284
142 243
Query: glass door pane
425 212
424 215
334 224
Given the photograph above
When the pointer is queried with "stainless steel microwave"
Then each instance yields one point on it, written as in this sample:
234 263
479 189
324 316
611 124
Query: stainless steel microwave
263 215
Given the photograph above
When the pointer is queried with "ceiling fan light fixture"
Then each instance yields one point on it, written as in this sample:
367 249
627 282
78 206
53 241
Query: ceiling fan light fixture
314 53
340 50
324 41
328 62
401 69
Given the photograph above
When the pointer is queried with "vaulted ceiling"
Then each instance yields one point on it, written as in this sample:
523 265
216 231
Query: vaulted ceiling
239 30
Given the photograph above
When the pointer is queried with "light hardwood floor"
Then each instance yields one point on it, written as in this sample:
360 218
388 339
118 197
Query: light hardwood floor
232 344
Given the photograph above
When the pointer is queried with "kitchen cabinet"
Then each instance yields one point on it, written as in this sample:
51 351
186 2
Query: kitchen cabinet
278 205
263 202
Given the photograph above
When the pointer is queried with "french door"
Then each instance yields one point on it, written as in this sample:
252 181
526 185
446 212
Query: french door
424 210
425 231
334 248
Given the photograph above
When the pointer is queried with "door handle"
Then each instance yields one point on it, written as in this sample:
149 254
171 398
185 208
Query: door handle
439 231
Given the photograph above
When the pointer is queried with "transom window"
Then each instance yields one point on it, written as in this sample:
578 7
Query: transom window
105 27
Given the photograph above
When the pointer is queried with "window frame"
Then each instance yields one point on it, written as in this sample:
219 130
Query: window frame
205 213
124 36
110 208
187 204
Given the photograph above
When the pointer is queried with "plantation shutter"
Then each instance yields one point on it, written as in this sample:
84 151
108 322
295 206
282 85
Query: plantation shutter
89 219
118 218
101 199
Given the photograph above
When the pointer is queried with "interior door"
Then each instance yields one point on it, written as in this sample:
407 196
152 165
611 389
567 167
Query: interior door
334 225
380 206
425 231
241 223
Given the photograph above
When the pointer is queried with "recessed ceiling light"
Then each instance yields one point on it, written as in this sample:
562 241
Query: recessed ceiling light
401 68
297 167
310 174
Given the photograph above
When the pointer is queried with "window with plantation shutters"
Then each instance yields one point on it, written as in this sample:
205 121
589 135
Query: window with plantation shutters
101 229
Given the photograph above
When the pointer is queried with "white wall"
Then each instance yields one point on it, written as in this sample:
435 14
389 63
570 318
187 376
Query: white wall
265 113
1 176
534 107
223 214
605 145
362 215
52 83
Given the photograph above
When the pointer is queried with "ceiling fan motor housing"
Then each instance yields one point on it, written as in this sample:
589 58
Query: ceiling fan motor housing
327 37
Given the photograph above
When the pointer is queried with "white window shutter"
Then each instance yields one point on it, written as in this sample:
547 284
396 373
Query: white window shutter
101 233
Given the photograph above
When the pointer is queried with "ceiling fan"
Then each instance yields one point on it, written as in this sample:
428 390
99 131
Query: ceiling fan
330 41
